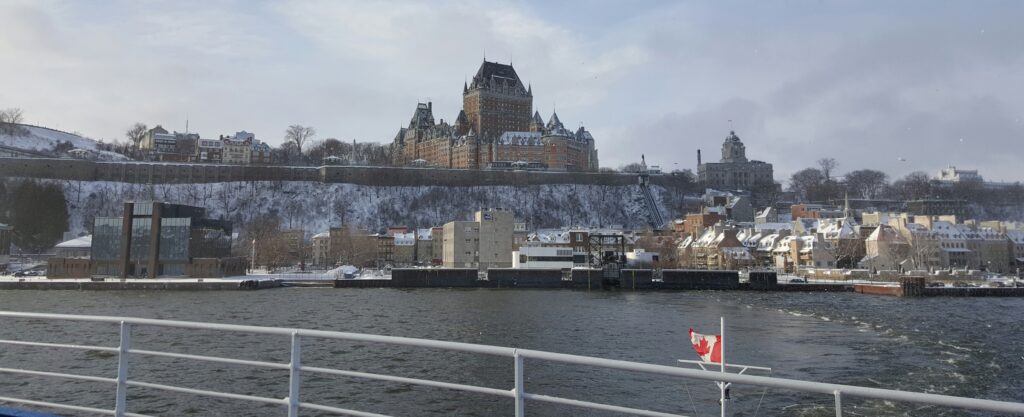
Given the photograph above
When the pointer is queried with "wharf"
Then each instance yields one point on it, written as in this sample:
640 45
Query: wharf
114 284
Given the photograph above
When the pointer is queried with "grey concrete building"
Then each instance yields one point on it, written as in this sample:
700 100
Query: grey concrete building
486 242
734 171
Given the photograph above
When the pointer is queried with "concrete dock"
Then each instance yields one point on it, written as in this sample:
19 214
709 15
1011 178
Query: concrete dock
113 284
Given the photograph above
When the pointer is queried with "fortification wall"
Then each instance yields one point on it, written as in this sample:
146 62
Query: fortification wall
180 173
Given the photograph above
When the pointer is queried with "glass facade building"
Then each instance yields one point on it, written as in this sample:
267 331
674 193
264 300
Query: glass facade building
183 235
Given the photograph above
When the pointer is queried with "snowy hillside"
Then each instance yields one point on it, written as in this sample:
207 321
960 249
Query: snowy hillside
43 139
315 207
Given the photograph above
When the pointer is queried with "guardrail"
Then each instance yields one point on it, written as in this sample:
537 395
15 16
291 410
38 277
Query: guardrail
293 402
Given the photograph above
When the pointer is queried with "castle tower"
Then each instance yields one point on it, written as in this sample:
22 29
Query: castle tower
496 101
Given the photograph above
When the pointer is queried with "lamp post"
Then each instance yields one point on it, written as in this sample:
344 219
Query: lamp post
252 256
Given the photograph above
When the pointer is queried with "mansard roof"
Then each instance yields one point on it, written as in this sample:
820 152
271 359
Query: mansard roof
423 117
493 74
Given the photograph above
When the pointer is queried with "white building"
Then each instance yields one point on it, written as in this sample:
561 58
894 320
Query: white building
641 258
542 257
80 247
952 174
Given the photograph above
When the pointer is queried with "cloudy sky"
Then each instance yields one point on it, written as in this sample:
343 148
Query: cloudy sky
934 83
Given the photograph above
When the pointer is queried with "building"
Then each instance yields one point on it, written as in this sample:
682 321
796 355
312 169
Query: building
485 242
320 245
640 258
295 242
461 244
543 257
497 128
5 246
237 149
885 249
716 248
953 175
79 247
155 239
1016 238
936 207
169 147
734 171
260 154
210 151
425 248
404 249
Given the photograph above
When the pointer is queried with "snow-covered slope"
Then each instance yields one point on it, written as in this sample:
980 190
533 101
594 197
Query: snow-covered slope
315 207
43 139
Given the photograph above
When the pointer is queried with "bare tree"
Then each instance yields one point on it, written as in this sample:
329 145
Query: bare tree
827 165
135 133
866 183
299 135
9 119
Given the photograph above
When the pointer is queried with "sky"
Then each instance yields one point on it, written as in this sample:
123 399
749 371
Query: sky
896 86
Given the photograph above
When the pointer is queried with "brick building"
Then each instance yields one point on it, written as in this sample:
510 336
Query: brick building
496 128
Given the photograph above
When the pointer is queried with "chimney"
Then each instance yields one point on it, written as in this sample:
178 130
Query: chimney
430 106
698 158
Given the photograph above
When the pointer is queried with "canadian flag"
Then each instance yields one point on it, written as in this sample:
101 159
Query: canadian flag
708 347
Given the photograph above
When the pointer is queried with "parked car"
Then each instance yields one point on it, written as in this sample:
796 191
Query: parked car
798 281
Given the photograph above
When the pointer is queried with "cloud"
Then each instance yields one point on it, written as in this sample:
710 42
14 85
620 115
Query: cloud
855 81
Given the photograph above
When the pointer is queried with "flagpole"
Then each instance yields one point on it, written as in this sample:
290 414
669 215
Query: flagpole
721 385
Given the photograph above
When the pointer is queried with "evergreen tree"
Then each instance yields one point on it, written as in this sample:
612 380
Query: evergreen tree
38 214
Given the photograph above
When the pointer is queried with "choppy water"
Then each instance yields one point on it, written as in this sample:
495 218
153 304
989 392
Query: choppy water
959 346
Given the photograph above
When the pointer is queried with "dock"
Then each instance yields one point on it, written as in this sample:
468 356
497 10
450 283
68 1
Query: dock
115 284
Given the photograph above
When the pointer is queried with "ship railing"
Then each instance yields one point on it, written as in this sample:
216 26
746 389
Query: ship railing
294 402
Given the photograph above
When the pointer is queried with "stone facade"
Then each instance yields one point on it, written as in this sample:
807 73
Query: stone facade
496 129
735 171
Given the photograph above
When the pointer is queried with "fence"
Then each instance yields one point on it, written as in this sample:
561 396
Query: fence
293 402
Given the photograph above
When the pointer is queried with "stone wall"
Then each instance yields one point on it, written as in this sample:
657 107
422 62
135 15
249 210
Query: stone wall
181 173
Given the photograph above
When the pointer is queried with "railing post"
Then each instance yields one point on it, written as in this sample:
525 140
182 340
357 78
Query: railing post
122 369
294 376
520 403
839 403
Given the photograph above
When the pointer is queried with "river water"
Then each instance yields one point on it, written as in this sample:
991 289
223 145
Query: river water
958 346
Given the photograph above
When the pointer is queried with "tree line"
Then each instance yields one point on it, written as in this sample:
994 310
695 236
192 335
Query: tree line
820 184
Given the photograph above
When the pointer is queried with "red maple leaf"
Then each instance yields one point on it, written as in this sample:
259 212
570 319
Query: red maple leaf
702 347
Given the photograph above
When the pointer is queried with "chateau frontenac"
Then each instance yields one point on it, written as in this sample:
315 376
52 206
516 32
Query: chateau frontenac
497 128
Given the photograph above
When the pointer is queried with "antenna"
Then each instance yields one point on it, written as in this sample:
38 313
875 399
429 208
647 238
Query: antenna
186 123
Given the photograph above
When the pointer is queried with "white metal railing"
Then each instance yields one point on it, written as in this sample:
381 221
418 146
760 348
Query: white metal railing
518 392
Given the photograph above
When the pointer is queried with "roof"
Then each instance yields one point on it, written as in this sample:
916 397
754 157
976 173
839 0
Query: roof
405 239
322 235
79 242
424 234
489 70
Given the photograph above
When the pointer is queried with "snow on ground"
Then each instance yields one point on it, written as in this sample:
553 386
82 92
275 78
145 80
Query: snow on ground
43 139
315 207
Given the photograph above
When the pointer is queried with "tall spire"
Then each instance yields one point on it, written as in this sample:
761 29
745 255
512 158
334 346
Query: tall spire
846 205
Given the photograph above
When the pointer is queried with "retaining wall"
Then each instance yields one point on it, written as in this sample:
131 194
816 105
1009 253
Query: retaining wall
181 173
637 279
695 279
441 277
763 280
525 278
